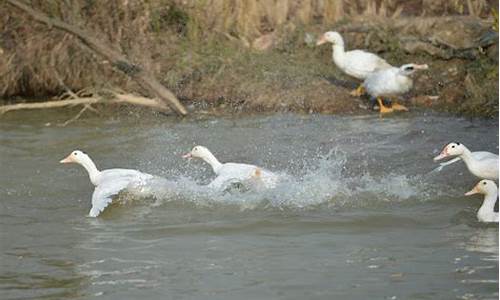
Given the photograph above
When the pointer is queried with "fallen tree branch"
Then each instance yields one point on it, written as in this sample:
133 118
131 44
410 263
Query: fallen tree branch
118 99
117 59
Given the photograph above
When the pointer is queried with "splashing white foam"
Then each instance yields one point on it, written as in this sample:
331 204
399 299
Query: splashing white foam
322 184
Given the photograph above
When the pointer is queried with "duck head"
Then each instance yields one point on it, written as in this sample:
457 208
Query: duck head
409 69
484 187
198 152
331 37
77 157
452 149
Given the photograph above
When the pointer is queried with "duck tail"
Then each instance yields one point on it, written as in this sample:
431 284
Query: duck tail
257 173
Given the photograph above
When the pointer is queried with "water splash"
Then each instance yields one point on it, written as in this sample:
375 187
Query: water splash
323 183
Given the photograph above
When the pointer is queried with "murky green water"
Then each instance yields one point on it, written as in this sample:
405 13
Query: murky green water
357 218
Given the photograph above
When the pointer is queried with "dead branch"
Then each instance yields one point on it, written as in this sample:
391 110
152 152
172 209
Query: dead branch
117 59
87 101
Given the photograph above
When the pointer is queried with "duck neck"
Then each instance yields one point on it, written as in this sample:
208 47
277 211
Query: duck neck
467 156
212 161
338 53
488 207
89 165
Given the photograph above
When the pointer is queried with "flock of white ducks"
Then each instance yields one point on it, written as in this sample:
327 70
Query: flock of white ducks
380 79
109 183
483 165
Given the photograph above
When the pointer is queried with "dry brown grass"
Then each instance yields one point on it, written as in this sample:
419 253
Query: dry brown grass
248 19
36 58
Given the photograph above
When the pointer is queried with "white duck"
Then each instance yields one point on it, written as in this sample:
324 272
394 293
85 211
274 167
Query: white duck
229 173
489 189
391 82
481 164
108 183
356 63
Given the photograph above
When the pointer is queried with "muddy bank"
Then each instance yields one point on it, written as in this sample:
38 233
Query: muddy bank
273 68
293 75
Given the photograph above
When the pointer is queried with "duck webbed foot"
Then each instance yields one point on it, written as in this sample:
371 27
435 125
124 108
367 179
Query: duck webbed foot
358 92
399 107
382 108
392 108
374 103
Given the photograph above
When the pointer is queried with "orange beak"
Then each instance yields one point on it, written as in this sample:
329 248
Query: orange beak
442 155
473 191
187 155
67 160
321 40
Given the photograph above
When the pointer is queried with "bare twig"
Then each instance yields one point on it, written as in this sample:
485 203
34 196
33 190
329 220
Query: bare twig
85 107
61 82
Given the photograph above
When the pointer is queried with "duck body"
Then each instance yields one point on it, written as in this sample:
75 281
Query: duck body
243 173
356 63
229 173
481 164
108 183
486 212
390 82
387 83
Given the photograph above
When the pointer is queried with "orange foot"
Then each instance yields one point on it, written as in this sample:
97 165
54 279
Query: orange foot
358 92
384 109
399 107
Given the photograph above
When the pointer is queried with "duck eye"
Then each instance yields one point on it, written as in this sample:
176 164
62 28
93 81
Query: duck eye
453 146
484 183
409 68
76 153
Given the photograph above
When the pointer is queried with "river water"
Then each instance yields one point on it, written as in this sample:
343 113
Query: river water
359 216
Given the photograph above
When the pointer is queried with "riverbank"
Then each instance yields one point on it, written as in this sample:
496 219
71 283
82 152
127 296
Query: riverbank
277 71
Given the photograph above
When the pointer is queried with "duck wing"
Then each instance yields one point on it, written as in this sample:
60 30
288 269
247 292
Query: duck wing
221 183
104 193
360 63
112 182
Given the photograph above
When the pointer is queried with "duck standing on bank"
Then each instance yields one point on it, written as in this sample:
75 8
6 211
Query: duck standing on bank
356 63
486 212
481 164
108 183
391 82
228 173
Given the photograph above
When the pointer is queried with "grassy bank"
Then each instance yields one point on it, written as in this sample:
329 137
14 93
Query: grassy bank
253 56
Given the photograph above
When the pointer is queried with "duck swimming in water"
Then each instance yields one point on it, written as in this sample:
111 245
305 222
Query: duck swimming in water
231 173
486 212
481 164
108 183
356 63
